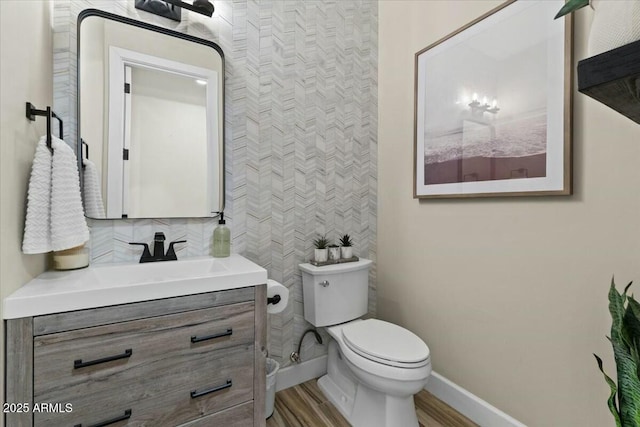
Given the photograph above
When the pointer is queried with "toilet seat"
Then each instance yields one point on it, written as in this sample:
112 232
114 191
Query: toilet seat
386 343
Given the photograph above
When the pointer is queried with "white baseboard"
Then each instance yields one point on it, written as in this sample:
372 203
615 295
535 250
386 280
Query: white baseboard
301 372
469 405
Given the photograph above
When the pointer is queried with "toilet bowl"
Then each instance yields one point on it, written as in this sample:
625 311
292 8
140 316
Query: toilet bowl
373 367
372 380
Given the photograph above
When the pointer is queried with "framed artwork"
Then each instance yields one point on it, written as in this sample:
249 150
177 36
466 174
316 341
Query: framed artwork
493 106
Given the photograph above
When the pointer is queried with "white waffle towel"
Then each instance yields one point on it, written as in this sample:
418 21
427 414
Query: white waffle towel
37 234
55 218
68 224
92 195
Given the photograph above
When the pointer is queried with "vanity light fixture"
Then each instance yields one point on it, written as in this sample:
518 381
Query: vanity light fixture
172 9
478 108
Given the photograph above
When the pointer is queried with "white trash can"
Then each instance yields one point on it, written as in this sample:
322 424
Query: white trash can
272 370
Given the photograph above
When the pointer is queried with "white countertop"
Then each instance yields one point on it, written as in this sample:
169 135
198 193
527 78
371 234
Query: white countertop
111 284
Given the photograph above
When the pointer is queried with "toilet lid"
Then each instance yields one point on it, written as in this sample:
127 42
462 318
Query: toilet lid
386 343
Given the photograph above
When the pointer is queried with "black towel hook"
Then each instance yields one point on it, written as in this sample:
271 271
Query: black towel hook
32 112
84 157
86 148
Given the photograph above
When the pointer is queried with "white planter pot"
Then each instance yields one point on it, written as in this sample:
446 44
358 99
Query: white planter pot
320 255
346 252
615 23
334 254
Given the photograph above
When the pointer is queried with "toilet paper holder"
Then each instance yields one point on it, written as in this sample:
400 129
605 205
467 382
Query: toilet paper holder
274 299
277 297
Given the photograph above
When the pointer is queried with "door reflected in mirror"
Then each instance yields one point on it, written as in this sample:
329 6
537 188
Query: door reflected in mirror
151 120
168 116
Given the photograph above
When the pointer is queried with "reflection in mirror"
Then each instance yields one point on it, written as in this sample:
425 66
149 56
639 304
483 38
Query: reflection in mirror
151 120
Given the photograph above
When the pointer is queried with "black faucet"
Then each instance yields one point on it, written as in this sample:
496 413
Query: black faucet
158 245
158 250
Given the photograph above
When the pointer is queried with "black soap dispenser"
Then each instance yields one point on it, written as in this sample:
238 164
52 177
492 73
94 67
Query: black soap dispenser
221 239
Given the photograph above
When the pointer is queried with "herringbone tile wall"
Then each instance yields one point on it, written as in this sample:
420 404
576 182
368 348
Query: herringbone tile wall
301 137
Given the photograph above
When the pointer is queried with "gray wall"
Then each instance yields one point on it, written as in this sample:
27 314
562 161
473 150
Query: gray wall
301 137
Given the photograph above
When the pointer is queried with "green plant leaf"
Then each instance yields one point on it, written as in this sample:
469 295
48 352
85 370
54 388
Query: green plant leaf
616 308
611 402
631 325
346 240
321 242
635 306
623 342
571 6
626 288
631 330
628 386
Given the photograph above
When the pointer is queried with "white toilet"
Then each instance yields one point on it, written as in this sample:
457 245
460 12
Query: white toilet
374 367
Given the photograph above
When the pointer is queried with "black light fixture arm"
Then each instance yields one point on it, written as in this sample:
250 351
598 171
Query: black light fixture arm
172 9
203 7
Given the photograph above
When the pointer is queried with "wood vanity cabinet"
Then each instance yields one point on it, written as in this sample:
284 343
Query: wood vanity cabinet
195 360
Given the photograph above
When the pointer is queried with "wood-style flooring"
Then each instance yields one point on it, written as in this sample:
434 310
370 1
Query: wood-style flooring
305 406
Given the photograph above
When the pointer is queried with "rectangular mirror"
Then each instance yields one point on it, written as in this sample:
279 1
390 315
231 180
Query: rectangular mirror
151 119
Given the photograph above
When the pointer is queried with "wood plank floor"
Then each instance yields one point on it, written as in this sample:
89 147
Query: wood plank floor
305 406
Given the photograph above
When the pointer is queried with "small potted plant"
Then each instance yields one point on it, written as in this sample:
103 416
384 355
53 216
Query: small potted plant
334 252
320 253
346 251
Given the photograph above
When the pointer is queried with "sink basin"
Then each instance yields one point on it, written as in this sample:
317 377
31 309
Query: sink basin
112 284
158 272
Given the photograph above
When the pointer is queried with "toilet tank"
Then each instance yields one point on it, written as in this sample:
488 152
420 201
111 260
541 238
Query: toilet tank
335 293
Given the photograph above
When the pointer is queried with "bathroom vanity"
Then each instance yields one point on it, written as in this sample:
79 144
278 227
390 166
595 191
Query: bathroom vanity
174 344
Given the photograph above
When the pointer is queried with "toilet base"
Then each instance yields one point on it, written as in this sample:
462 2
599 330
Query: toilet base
360 405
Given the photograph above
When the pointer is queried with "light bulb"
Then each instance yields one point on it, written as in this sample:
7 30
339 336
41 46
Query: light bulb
484 101
494 104
475 96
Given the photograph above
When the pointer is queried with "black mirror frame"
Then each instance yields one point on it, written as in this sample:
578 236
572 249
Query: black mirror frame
125 20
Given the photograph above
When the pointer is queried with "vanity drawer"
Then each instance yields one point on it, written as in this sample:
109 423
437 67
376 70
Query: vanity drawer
88 318
238 416
98 354
165 392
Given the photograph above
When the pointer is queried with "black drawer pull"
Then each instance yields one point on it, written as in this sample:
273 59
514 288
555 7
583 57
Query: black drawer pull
126 416
80 364
196 393
195 338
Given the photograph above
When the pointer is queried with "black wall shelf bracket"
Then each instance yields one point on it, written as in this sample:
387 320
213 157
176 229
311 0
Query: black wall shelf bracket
613 78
